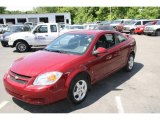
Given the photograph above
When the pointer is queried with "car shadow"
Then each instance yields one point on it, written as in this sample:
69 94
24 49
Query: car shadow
31 50
98 90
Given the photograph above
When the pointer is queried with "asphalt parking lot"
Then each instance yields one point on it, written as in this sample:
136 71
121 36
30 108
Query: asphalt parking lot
134 92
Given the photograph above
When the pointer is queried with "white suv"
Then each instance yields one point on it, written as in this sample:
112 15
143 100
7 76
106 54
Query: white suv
153 29
133 25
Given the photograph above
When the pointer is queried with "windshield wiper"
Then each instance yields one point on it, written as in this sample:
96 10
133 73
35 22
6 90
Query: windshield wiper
58 51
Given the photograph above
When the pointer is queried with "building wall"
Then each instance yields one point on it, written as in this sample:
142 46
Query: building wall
51 17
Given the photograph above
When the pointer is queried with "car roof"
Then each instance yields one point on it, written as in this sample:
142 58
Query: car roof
93 32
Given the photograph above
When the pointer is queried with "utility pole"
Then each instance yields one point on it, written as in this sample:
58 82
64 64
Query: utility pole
110 13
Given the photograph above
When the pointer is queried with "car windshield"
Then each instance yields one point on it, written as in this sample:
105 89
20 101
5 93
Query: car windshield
71 43
131 22
128 22
158 23
149 23
74 27
15 28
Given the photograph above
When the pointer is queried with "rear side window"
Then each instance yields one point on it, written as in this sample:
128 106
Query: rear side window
119 38
53 28
144 22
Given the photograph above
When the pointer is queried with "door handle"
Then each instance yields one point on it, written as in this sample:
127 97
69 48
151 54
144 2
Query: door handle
46 35
109 57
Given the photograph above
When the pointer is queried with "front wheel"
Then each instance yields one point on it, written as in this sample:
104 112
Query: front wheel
4 44
78 89
130 63
22 47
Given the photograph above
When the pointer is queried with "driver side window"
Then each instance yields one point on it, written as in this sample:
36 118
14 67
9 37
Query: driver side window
41 29
105 41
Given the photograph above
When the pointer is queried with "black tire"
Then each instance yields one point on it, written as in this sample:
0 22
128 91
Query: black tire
22 47
4 44
74 90
130 63
132 31
158 33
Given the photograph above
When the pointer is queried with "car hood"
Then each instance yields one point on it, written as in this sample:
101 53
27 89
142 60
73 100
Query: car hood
42 61
21 34
7 34
153 26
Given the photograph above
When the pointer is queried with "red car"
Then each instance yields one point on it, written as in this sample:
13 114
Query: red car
140 29
120 26
68 66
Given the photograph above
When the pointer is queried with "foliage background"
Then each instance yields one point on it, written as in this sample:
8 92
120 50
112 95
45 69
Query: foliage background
91 14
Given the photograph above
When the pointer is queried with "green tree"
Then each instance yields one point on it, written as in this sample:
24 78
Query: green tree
2 10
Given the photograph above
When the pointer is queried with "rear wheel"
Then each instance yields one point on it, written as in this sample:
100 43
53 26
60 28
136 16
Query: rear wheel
78 89
132 31
130 63
158 33
22 47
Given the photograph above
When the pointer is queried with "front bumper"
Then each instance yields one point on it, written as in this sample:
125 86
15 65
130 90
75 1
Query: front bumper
37 95
149 32
138 31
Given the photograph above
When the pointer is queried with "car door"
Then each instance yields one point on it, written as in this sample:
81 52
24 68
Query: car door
100 61
41 35
113 56
123 47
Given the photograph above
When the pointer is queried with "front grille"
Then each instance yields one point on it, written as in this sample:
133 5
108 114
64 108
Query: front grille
22 79
21 76
18 80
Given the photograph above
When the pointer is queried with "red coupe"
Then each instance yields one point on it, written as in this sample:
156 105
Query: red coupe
69 65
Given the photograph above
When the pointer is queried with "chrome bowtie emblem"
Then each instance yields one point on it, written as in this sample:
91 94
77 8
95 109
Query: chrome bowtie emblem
16 77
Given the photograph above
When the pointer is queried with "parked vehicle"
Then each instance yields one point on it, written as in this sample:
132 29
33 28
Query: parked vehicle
73 27
114 23
140 29
31 24
120 26
153 29
104 27
41 35
90 26
69 65
2 28
13 29
106 22
133 25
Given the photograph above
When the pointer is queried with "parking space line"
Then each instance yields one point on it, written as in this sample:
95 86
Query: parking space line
2 104
119 104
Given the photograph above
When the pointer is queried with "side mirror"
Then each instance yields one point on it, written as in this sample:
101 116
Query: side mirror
100 50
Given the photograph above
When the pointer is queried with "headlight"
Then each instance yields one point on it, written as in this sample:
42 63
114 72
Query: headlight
7 38
141 28
47 78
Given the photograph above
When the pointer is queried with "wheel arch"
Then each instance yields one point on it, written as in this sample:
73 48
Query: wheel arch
133 53
75 74
19 40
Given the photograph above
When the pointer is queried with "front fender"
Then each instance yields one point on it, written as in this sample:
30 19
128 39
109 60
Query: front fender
73 73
